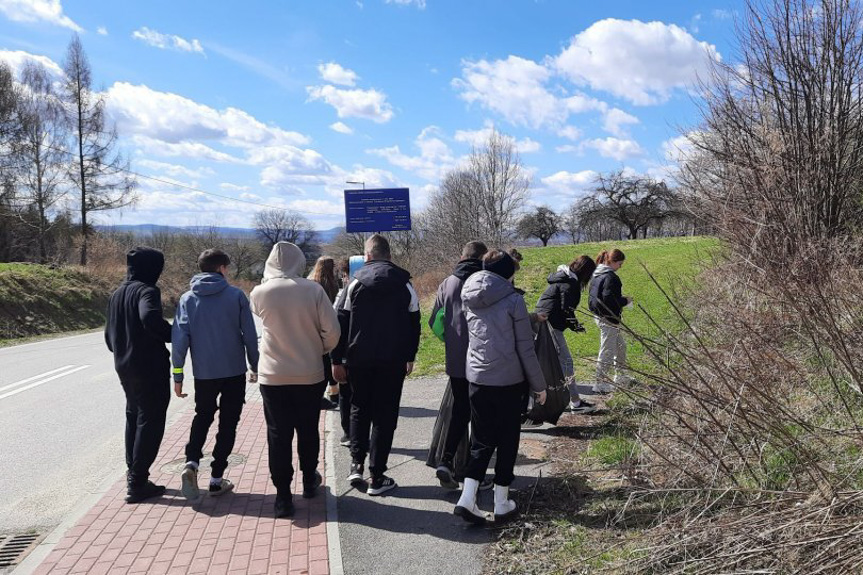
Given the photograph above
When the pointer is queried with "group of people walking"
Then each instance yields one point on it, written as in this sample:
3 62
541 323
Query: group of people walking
362 338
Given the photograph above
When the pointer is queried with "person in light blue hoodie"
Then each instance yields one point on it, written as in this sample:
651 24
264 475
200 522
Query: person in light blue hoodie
215 322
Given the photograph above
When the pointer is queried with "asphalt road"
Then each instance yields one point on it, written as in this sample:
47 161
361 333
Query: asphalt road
61 428
412 529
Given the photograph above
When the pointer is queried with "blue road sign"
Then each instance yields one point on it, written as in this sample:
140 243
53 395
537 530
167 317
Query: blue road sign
381 210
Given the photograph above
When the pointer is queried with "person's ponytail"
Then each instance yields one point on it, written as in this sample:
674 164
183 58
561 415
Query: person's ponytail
602 257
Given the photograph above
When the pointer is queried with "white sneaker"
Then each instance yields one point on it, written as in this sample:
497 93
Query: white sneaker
189 483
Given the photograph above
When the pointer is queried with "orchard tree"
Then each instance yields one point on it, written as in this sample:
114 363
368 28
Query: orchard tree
543 223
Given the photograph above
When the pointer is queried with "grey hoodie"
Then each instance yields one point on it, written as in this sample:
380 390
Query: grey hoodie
500 349
215 321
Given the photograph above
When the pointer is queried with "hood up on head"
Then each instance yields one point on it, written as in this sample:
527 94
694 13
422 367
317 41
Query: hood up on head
285 261
208 283
466 268
484 289
144 264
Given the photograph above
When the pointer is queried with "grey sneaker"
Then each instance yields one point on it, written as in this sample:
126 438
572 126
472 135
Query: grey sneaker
355 478
345 441
445 476
189 483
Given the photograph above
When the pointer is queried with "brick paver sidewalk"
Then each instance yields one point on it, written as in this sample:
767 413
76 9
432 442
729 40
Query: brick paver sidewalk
234 533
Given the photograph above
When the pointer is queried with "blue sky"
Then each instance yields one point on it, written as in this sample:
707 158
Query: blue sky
280 103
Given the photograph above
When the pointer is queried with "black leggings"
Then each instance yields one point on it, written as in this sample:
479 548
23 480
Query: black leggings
495 425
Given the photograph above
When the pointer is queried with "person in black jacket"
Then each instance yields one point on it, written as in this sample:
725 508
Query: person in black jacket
380 319
607 303
136 333
558 303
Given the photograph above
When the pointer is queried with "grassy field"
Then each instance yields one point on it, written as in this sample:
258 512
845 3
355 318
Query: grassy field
37 300
673 261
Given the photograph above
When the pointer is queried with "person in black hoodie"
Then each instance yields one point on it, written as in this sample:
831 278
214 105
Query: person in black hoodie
136 333
380 319
607 303
448 304
558 303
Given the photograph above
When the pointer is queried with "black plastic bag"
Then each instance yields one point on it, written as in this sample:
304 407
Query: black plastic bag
438 442
557 392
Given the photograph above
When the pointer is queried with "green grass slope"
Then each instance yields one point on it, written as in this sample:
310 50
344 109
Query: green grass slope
36 300
674 262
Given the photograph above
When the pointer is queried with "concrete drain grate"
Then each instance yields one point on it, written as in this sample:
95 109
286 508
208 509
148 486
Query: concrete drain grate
13 548
176 467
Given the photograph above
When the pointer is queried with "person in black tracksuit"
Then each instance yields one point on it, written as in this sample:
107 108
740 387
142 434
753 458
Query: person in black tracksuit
448 305
558 303
380 321
136 333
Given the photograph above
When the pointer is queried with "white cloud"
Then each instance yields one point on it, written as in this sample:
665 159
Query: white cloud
569 132
615 148
564 182
318 207
16 59
167 41
421 4
369 104
173 118
616 120
255 65
336 74
285 166
235 188
478 138
677 150
434 159
186 149
642 62
175 170
515 89
720 14
102 31
341 128
50 11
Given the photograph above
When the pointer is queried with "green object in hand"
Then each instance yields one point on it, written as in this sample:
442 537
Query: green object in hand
438 324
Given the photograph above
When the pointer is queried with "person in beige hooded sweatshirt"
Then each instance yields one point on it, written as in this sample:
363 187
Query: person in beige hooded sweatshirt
299 326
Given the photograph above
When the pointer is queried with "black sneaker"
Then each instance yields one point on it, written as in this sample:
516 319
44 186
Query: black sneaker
284 506
148 490
310 487
327 404
581 407
355 478
445 476
345 440
225 486
381 484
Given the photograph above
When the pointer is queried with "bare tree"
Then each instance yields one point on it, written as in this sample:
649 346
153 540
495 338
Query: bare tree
273 226
479 201
101 175
500 186
634 202
778 161
40 154
543 223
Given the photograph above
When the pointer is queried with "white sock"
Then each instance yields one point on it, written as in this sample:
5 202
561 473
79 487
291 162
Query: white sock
215 481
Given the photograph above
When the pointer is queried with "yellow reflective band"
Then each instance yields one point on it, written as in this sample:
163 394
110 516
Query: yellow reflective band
178 370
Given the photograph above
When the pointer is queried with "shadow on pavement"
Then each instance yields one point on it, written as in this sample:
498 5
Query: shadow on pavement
361 509
407 411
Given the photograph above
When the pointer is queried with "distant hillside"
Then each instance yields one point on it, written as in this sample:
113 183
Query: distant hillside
325 236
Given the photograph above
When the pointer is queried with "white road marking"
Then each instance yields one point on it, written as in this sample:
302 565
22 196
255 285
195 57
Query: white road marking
43 381
35 377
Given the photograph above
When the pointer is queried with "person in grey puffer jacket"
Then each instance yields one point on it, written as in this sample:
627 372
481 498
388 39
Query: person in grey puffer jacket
500 361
